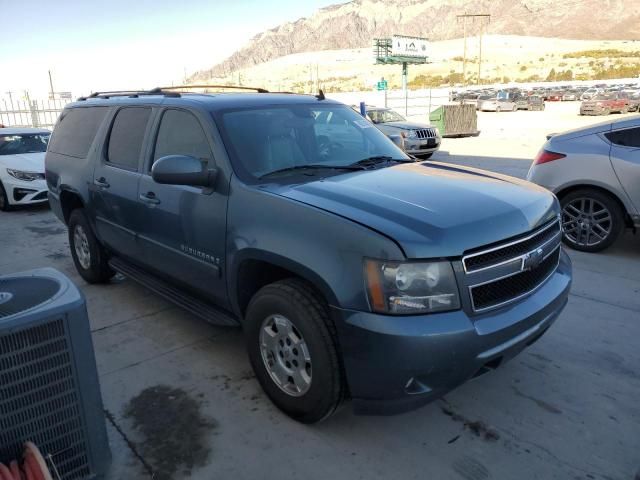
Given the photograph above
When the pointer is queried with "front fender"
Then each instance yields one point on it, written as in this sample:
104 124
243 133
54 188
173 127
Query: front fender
324 248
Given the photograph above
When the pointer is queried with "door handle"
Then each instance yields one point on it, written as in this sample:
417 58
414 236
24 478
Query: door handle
149 198
101 182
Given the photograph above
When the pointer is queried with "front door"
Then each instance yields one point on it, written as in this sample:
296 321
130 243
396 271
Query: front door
625 158
115 180
183 230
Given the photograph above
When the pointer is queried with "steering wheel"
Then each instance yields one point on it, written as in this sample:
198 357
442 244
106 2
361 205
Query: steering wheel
326 147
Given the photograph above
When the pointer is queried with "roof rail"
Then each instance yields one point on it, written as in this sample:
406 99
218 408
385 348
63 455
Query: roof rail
166 91
233 87
128 93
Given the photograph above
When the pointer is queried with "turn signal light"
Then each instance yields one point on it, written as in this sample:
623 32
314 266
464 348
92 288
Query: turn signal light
545 156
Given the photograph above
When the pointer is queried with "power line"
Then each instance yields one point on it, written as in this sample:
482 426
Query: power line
484 18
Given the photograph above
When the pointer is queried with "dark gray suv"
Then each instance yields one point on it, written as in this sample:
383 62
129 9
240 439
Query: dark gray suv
354 271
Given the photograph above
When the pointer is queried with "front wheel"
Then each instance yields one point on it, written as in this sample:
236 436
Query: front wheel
292 347
4 200
89 256
591 220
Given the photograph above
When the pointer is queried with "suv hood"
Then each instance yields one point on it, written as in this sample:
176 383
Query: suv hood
406 125
431 209
27 162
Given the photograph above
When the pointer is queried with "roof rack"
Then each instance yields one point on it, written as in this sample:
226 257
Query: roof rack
232 87
128 93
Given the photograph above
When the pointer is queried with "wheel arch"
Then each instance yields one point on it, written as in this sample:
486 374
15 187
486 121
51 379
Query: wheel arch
252 269
69 201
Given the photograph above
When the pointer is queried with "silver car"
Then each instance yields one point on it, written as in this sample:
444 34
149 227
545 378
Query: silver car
420 139
595 172
495 104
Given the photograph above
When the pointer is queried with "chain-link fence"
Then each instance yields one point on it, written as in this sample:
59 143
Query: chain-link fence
31 113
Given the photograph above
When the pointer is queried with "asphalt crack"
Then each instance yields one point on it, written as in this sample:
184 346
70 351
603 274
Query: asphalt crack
130 445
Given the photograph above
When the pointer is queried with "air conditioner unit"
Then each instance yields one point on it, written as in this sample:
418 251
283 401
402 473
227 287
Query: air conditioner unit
49 390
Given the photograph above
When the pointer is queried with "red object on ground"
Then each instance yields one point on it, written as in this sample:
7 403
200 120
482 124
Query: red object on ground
5 474
15 470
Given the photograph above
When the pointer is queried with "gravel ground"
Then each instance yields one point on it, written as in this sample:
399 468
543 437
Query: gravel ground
183 403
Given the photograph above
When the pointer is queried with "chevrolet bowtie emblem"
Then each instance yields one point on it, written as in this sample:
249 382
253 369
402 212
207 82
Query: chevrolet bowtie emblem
533 259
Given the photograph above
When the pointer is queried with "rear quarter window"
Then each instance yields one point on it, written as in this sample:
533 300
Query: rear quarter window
75 131
627 138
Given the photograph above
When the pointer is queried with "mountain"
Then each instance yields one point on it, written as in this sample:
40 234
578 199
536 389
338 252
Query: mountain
354 25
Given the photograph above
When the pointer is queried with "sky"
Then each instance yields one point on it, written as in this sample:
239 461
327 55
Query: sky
120 44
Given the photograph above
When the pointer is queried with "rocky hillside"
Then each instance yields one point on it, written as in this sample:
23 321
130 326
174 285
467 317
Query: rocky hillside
356 23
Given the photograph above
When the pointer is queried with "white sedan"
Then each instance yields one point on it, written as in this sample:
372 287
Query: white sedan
22 166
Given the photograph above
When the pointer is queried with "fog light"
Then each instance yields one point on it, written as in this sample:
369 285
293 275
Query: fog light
20 193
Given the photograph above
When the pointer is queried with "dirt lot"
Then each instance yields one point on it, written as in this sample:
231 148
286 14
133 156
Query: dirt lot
182 401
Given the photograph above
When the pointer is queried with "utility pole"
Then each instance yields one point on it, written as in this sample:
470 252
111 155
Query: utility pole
464 55
482 17
51 86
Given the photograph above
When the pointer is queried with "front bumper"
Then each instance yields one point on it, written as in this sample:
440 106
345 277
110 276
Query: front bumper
422 146
592 110
25 193
397 363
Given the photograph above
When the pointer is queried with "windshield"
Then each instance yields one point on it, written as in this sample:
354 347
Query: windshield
385 116
14 144
602 97
268 139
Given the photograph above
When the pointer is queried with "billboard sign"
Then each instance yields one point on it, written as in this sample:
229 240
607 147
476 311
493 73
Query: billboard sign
402 46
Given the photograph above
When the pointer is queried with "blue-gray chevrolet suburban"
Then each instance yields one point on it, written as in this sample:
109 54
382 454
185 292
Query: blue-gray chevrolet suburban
355 271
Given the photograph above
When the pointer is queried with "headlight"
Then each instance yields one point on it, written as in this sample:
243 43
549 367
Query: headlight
409 134
411 287
25 176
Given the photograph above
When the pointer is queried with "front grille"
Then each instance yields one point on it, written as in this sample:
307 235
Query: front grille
504 253
511 288
426 133
39 399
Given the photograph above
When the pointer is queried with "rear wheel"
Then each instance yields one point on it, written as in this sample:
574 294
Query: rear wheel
591 220
4 200
292 347
89 256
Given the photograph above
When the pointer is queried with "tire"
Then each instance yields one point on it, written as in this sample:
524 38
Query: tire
4 200
576 234
606 111
302 320
498 109
90 258
515 108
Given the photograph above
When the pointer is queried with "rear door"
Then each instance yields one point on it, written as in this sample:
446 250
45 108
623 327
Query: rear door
115 180
183 228
625 158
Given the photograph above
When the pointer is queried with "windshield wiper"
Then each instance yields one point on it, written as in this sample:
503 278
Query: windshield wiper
376 159
313 166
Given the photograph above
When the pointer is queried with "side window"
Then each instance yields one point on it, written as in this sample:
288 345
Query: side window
75 130
626 138
127 134
180 133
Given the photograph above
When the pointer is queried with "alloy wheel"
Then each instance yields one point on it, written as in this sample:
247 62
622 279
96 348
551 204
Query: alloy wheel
586 222
285 355
81 246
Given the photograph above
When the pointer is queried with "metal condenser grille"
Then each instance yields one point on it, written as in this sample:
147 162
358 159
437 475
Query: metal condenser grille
39 399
